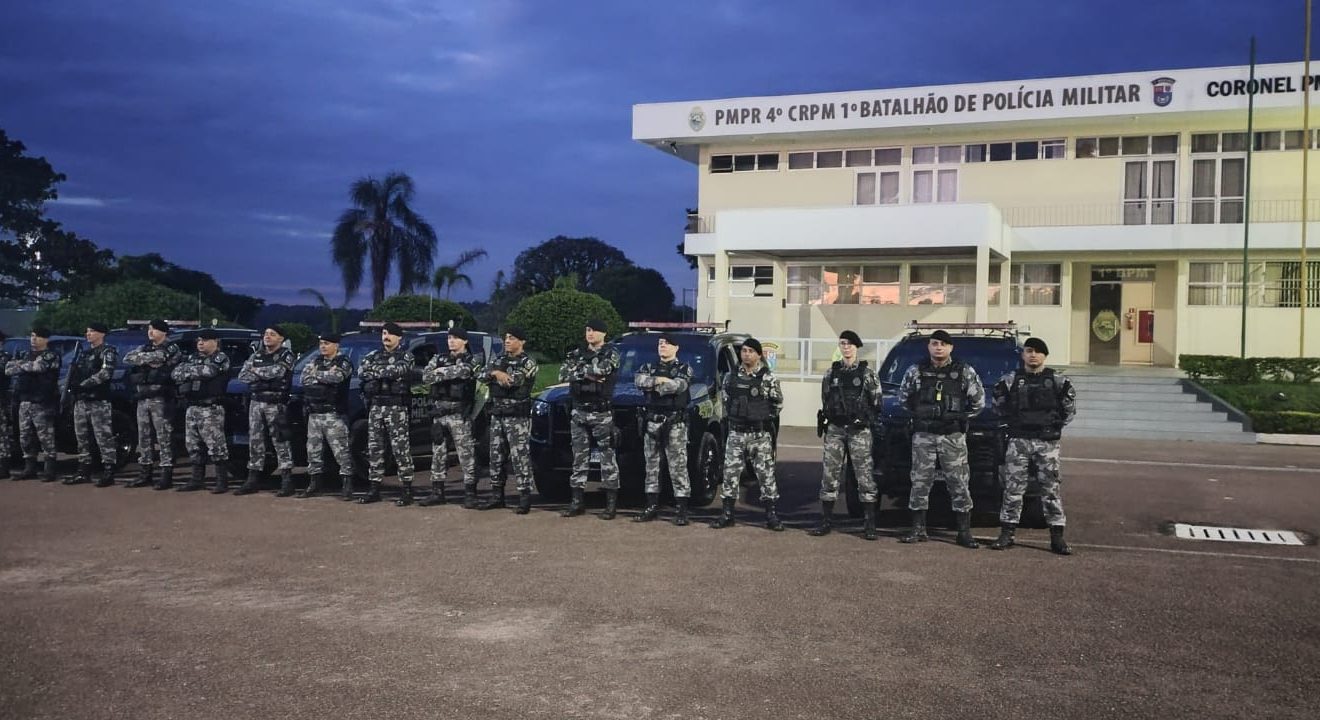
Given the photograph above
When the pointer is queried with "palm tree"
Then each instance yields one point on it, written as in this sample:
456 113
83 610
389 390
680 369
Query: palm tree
447 276
382 228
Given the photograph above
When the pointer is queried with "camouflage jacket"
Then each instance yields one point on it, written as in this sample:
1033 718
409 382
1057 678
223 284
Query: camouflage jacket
972 390
769 382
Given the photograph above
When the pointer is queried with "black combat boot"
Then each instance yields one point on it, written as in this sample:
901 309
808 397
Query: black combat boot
681 516
611 505
469 497
918 531
868 527
576 507
251 485
345 488
496 499
30 469
406 498
48 474
107 477
313 487
524 502
144 478
652 509
286 484
166 480
826 523
437 496
726 517
372 496
83 474
1057 544
772 520
1005 539
221 478
197 481
965 538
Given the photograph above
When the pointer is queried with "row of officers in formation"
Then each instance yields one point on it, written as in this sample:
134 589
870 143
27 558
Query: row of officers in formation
941 393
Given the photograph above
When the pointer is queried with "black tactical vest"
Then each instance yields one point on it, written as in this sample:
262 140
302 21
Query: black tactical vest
89 363
388 391
270 391
749 405
151 382
510 401
42 387
587 392
1033 405
320 397
206 391
940 402
674 401
451 396
846 400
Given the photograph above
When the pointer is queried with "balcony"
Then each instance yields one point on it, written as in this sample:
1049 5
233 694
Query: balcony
1210 211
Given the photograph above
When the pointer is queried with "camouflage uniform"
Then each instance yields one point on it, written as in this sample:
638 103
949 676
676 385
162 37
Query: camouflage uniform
386 384
154 390
664 424
325 397
269 376
452 378
510 419
6 428
847 397
940 436
36 384
203 381
591 377
89 384
1034 426
751 400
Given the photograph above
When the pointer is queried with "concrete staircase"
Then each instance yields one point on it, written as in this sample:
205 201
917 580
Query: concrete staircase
1145 404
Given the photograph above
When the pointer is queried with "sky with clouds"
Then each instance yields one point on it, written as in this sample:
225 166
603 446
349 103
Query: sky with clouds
224 135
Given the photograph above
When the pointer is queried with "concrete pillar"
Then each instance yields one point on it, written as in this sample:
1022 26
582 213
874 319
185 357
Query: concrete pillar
720 304
982 313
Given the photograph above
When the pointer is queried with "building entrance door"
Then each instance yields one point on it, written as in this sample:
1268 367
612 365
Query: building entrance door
1121 319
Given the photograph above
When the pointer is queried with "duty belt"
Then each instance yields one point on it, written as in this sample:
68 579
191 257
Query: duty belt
749 427
591 406
270 397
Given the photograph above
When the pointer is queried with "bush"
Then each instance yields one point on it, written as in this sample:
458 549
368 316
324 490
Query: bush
554 319
301 337
1287 421
1250 370
117 303
422 308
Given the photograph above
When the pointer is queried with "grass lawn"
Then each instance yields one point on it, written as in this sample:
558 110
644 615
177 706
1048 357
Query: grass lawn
1274 407
547 374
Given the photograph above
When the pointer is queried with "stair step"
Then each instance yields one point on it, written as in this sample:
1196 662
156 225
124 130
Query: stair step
1226 437
1179 425
1135 397
1120 380
1197 414
1089 405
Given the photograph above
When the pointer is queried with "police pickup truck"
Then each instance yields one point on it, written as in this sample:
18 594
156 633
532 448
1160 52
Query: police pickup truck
710 354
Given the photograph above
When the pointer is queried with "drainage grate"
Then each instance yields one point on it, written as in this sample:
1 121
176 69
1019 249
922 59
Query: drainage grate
1227 534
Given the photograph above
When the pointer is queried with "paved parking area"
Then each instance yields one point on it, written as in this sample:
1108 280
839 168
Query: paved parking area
133 603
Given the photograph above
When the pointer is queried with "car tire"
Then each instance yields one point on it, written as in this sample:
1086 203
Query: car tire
706 470
125 429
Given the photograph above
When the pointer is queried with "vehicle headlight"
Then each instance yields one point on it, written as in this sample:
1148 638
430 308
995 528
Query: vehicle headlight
540 408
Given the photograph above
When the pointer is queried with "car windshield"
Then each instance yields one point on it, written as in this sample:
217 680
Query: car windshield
636 351
991 357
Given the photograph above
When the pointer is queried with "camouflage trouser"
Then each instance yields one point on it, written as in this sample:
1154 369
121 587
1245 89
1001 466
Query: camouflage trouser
36 429
598 426
155 423
205 426
675 452
387 426
857 442
509 436
93 418
1022 452
951 452
459 429
6 430
264 417
741 447
328 429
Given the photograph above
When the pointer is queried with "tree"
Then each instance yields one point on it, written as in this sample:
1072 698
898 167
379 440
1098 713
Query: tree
638 293
536 269
154 268
332 315
422 308
692 226
380 231
447 276
117 303
554 320
301 337
503 298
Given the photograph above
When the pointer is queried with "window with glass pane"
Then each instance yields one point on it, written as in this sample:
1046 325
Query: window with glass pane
889 156
767 161
1108 147
1268 140
1205 142
1087 148
1232 179
1164 145
721 163
923 186
829 159
865 189
1162 181
1027 150
888 188
1136 145
1293 139
950 153
948 185
923 155
974 153
1053 149
801 160
1233 142
1000 152
1203 191
1036 284
843 284
804 286
926 285
743 163
858 158
1134 193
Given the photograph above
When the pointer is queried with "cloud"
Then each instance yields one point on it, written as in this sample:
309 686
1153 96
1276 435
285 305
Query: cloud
75 201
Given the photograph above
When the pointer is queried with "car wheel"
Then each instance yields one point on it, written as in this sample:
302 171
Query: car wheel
125 428
705 470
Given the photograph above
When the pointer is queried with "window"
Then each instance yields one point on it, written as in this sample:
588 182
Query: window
938 184
948 285
1001 151
801 160
743 163
767 161
1036 284
1148 192
1164 145
1137 145
858 158
1269 284
843 285
877 188
1026 150
888 156
1233 142
721 163
974 153
1053 149
1087 148
1268 140
829 159
1293 140
1218 183
1108 147
751 280
1205 142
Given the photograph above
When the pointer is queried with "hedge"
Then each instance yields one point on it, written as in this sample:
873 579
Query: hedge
1250 370
554 319
1287 421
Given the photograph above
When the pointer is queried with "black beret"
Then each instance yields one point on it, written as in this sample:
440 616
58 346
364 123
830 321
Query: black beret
330 337
458 332
754 344
41 332
278 330
1038 345
98 327
393 329
517 332
160 325
598 325
851 337
671 339
208 334
942 336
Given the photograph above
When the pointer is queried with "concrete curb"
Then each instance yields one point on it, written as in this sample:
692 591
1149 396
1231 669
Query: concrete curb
1287 439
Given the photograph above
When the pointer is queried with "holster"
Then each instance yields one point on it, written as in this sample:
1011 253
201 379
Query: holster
822 422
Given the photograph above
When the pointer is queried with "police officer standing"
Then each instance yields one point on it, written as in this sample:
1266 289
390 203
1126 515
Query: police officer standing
152 364
203 380
752 400
452 377
6 429
387 375
590 372
942 394
269 375
1037 403
325 400
510 377
665 427
36 381
847 397
89 384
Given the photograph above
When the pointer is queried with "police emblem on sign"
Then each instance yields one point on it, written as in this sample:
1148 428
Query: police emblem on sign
696 119
1163 91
